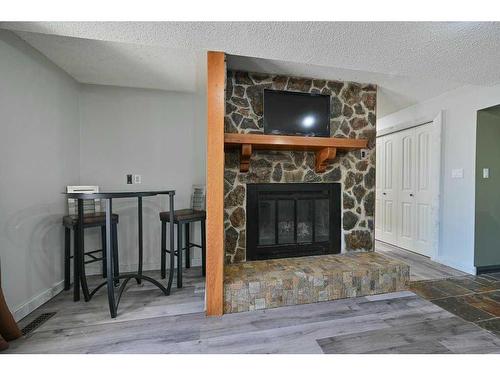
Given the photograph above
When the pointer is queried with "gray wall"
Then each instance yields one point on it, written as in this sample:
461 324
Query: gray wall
39 155
457 203
56 132
146 132
487 222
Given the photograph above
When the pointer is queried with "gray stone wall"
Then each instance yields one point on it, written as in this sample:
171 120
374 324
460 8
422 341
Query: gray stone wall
352 116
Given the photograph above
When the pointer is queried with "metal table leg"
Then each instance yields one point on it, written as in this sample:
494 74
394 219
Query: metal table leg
81 253
103 245
179 254
188 245
163 246
76 266
172 252
109 264
139 215
67 258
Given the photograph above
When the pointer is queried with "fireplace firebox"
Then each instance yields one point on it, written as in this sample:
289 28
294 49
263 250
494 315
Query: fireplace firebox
292 220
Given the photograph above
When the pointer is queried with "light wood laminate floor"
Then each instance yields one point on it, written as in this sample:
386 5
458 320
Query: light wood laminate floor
421 267
148 322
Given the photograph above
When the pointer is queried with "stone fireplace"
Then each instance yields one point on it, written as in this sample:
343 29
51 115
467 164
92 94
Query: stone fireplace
292 220
352 116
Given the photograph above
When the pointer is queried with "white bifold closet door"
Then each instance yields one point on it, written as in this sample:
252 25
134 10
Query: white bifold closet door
404 194
385 204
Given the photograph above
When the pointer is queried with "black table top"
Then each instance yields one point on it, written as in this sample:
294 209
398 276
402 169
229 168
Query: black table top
120 193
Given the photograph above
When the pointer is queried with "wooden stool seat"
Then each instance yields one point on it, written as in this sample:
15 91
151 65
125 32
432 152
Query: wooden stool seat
90 220
185 215
95 219
183 218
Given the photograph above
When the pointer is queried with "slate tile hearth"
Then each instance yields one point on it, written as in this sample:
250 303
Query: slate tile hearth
292 281
473 298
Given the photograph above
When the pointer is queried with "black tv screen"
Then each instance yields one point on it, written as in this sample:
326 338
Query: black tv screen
294 113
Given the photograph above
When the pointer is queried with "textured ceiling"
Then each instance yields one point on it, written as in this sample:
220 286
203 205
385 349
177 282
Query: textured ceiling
406 56
394 92
119 64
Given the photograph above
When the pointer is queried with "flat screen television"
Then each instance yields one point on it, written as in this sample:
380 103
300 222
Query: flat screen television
295 113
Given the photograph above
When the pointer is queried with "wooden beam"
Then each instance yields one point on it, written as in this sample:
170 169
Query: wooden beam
291 142
324 147
216 79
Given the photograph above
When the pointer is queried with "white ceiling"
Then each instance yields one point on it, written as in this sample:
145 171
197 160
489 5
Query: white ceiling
409 61
394 92
118 64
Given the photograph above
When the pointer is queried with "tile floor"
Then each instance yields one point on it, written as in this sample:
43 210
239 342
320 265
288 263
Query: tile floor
473 298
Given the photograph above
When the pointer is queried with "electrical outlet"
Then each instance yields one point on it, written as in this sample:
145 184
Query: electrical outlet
137 179
363 154
129 179
486 173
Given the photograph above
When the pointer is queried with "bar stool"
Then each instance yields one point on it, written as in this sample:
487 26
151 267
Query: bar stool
183 219
91 219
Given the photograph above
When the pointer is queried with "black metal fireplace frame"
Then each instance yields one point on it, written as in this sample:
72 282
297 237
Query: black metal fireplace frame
288 191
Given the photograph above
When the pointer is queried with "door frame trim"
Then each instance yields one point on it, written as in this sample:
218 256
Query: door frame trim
436 150
406 125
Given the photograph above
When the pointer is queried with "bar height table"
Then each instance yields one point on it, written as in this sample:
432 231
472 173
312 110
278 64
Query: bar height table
80 277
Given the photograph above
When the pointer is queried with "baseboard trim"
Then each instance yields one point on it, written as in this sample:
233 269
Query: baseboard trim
488 269
37 301
461 267
28 307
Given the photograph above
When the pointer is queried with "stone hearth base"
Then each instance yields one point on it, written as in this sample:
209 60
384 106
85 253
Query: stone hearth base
292 281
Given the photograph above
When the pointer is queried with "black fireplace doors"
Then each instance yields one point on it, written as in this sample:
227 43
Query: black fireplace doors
292 220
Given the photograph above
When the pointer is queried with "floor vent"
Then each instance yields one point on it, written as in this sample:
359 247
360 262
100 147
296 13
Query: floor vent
37 322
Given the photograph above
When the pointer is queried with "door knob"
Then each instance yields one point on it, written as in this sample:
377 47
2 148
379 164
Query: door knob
411 195
383 194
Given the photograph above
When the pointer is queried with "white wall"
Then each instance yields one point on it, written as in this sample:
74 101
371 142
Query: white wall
146 132
39 155
460 108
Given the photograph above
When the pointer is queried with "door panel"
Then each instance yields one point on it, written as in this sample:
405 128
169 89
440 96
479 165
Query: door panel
406 178
379 212
407 188
424 190
388 216
423 213
386 191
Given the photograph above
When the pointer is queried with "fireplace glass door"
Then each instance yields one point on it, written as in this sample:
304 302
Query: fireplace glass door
287 220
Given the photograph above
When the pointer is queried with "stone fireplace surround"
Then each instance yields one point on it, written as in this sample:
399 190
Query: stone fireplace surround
352 116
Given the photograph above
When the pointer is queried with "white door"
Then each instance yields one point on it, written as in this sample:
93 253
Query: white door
407 191
405 215
379 177
386 191
424 190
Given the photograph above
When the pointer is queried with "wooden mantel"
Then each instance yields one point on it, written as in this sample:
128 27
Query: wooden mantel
325 148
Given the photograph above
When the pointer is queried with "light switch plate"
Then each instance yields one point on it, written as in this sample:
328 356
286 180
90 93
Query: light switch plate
137 179
457 173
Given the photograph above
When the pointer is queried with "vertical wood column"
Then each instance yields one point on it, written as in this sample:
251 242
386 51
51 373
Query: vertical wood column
216 78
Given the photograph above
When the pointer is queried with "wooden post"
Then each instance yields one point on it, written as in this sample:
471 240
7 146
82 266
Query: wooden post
216 79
